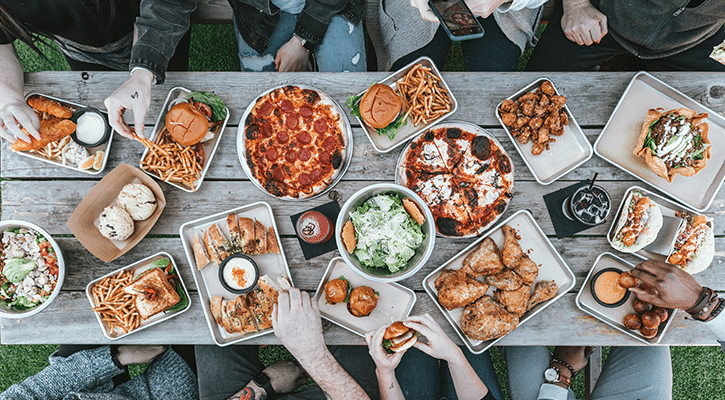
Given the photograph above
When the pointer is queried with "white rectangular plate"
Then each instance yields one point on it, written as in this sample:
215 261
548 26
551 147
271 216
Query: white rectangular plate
207 280
542 252
619 137
395 301
613 316
570 150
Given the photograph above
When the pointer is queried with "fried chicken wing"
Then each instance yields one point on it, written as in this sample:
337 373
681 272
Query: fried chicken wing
486 319
548 88
526 269
505 280
485 260
511 249
51 107
508 106
544 290
515 301
460 290
508 118
51 130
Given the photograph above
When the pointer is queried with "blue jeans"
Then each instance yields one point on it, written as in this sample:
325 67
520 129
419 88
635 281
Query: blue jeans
423 377
633 372
342 49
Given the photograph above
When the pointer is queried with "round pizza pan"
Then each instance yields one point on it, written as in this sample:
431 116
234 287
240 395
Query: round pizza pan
473 128
346 134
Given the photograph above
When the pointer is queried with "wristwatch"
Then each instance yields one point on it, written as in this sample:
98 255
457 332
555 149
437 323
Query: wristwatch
307 45
553 375
262 380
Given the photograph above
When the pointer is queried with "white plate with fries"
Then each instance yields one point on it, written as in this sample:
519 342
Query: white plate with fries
412 73
107 291
181 168
52 153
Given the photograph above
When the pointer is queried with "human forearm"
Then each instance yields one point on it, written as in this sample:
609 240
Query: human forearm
388 384
11 80
329 375
467 383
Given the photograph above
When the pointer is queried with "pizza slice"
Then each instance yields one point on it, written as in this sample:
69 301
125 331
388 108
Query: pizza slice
448 207
452 143
486 199
423 155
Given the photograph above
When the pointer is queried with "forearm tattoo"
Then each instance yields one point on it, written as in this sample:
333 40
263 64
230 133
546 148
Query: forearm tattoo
134 95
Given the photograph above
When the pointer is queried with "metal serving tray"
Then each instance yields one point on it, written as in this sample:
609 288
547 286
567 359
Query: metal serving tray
105 147
395 301
207 279
154 319
662 246
619 137
570 150
346 134
551 267
613 316
381 143
209 146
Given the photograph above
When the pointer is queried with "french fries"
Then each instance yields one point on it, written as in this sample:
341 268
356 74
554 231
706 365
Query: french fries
116 307
423 97
53 150
173 162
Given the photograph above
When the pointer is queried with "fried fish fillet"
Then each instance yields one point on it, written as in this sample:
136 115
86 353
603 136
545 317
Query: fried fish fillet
485 260
511 248
505 280
486 319
526 269
544 290
51 129
515 301
51 107
460 290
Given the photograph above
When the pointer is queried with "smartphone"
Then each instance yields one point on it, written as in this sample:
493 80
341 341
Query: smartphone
457 19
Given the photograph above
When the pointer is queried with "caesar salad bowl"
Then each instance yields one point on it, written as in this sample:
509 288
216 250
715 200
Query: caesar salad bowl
421 252
19 308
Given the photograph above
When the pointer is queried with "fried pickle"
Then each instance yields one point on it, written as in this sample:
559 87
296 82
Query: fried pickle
460 290
486 319
485 260
544 290
515 301
505 280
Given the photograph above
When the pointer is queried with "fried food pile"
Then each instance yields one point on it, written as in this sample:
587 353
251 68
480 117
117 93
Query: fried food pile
510 271
54 124
536 116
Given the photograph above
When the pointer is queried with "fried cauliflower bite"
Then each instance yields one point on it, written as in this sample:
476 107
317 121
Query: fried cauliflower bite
508 119
508 106
547 88
486 319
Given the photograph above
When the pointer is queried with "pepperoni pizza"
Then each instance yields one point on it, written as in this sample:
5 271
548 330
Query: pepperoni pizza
294 142
463 175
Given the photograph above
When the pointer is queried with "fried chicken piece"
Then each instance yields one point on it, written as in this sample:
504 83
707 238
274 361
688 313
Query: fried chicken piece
538 149
441 279
531 96
511 249
536 122
557 102
524 134
521 121
508 106
564 118
51 129
51 107
505 280
544 290
485 260
545 101
486 319
526 269
528 108
515 301
543 135
460 290
508 119
548 88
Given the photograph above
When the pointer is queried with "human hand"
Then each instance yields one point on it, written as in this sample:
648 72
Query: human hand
575 356
384 362
296 322
134 95
484 8
439 344
16 114
425 12
284 376
674 288
291 57
135 354
582 23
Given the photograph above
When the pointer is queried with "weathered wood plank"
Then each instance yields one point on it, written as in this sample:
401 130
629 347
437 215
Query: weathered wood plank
34 201
70 320
579 254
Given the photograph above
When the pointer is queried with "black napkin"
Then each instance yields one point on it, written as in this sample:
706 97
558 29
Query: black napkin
564 226
330 210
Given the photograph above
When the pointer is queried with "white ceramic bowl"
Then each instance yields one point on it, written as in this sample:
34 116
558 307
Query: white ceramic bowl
6 312
422 253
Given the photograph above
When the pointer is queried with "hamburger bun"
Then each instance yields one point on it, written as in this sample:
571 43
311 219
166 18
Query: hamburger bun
336 291
398 337
380 106
363 301
186 124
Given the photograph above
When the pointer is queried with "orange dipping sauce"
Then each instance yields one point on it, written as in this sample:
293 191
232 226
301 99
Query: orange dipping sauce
607 289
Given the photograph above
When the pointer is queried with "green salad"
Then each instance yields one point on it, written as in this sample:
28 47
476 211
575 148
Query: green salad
387 235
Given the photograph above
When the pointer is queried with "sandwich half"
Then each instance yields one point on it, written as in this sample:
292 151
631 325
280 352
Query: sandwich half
154 293
638 225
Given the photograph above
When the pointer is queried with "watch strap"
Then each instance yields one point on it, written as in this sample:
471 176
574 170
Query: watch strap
114 358
559 377
306 44
262 380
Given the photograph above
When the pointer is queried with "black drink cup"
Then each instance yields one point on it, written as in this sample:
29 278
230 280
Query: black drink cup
589 205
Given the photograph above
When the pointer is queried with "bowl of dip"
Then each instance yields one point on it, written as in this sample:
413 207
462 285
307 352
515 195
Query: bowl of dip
92 128
238 273
606 290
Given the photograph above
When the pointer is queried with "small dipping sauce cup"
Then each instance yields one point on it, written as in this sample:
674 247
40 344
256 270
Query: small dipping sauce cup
92 128
605 289
238 273
589 206
314 227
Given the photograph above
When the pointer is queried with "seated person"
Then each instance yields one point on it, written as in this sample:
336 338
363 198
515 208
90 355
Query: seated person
412 375
673 288
235 372
666 35
139 36
406 33
100 372
293 35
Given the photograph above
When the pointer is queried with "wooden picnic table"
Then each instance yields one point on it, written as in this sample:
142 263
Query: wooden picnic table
45 195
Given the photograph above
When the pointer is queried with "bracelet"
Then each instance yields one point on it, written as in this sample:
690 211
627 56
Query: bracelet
701 301
718 309
556 360
709 304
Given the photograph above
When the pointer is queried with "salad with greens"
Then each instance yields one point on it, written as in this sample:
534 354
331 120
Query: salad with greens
387 236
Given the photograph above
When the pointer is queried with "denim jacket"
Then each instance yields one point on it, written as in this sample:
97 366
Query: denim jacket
257 19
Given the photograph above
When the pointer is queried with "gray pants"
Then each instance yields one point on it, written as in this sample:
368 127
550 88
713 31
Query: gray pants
223 371
637 372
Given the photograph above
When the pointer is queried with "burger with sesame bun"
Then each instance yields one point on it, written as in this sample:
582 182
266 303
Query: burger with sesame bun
399 338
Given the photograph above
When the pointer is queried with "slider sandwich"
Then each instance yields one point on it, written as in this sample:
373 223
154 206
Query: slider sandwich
638 225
